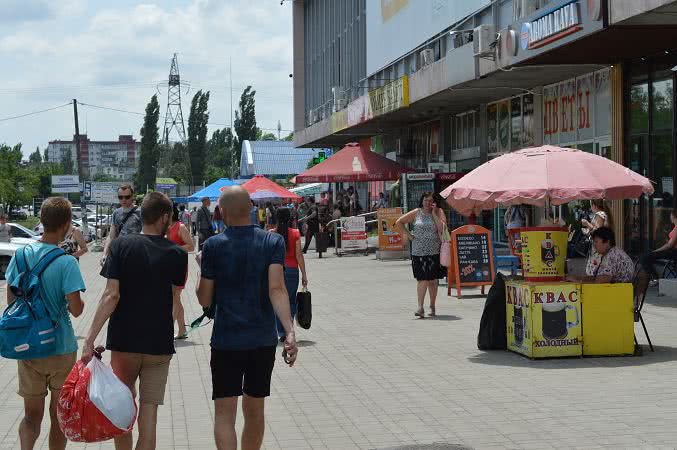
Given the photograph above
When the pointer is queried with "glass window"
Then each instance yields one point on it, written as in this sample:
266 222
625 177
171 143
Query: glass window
492 128
603 103
639 108
504 126
516 123
663 198
662 92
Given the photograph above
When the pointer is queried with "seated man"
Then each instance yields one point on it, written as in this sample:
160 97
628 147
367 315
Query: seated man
609 264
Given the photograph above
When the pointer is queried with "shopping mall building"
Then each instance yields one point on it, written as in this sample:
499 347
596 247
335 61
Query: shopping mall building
442 85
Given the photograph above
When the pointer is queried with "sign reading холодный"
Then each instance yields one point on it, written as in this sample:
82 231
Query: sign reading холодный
552 26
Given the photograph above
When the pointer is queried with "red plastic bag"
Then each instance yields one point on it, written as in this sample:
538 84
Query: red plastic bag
93 402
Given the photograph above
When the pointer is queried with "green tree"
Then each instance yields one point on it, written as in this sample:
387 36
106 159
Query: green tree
245 121
220 156
67 163
102 177
197 135
45 156
261 136
150 149
177 163
290 137
35 158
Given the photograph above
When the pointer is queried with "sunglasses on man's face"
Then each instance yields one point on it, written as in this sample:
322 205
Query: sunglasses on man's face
124 197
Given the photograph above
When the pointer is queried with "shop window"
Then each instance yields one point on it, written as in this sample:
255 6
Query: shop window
662 106
663 198
639 108
516 123
466 129
492 128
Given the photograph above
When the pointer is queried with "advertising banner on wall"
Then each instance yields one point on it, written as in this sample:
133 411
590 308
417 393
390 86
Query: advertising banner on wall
396 27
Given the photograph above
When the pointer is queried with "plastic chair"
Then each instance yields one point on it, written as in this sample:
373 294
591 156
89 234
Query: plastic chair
640 284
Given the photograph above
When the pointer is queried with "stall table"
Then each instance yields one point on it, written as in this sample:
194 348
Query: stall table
560 319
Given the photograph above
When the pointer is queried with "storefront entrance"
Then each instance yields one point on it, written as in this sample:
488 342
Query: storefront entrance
650 128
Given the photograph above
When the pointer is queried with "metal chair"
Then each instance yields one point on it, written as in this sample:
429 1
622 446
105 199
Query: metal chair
669 269
640 284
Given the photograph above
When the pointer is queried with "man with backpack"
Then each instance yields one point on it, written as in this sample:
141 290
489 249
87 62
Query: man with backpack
126 219
56 284
143 271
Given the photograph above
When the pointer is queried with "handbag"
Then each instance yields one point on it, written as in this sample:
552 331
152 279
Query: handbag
304 309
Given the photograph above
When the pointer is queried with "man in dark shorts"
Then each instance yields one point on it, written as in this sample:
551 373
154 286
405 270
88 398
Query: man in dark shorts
243 272
142 270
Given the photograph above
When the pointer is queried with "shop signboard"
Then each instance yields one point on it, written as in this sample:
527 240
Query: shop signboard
353 233
389 237
544 320
585 104
551 26
65 184
543 253
472 258
390 97
568 112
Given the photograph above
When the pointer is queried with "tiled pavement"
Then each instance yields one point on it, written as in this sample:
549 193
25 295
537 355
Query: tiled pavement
371 376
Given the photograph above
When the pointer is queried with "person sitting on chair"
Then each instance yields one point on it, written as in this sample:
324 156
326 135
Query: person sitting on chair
666 251
608 264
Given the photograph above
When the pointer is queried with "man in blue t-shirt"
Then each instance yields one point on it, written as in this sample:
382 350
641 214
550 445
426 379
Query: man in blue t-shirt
242 271
62 283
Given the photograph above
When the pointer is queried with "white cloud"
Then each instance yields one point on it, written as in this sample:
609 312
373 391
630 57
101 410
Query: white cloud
127 47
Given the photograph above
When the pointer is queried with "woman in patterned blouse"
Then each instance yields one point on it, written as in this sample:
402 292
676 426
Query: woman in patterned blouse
608 264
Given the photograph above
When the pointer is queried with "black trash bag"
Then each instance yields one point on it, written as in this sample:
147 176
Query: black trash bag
304 309
493 333
321 241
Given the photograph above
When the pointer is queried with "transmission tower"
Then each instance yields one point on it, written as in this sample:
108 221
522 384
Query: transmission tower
174 115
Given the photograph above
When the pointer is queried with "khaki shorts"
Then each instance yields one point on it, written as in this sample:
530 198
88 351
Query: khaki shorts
150 370
37 375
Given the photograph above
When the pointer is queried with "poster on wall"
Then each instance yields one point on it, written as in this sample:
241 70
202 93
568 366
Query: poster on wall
516 123
603 102
389 238
567 108
527 120
492 128
585 105
504 126
551 115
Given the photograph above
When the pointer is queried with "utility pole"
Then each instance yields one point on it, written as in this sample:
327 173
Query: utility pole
233 158
81 168
279 130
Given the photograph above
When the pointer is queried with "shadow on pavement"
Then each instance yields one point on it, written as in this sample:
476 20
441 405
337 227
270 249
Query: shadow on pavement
646 357
444 317
434 446
185 343
469 296
304 343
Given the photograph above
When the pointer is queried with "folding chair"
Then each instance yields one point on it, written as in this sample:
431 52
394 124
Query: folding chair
640 284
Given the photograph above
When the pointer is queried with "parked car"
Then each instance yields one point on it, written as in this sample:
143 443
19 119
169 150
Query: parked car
22 235
7 250
91 229
18 214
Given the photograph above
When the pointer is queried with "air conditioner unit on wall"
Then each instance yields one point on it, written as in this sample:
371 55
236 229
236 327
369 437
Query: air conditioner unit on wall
484 38
427 57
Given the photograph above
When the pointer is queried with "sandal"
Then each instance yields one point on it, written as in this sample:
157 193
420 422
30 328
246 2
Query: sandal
420 313
181 337
432 311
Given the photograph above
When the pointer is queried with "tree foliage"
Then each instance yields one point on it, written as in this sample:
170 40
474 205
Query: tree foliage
35 158
177 166
245 121
150 147
67 163
197 135
220 156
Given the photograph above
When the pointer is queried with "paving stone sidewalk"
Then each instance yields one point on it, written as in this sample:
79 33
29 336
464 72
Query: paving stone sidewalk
371 376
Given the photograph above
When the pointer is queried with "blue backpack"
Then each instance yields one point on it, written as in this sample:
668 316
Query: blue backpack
27 331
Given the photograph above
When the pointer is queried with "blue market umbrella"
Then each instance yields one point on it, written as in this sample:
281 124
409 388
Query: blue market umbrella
213 191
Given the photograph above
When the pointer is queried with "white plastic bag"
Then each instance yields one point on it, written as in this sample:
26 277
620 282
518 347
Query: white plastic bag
110 395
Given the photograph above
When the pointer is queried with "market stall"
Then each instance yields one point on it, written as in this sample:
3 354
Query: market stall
262 189
547 316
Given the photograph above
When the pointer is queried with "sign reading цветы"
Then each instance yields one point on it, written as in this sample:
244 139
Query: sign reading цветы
550 27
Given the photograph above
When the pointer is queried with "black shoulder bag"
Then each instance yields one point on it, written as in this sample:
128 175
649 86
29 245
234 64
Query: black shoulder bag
118 229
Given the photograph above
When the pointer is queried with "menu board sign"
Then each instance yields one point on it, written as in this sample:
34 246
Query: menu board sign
472 257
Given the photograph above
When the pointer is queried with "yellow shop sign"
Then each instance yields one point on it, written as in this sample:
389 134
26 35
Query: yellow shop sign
390 97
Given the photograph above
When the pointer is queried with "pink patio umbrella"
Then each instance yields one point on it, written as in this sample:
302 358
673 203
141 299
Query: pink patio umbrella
544 176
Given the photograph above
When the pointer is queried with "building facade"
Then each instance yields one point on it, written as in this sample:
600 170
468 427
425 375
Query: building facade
114 159
449 85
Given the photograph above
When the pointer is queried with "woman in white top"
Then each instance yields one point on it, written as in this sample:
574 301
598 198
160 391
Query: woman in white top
601 217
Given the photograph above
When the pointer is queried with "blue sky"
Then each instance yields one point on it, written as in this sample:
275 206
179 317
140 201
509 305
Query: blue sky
116 54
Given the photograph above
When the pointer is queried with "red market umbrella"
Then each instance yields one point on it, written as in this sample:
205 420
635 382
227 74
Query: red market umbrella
544 175
261 187
350 164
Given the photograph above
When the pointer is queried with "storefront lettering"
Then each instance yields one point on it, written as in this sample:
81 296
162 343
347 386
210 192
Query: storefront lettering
552 26
550 297
570 106
517 297
583 109
390 97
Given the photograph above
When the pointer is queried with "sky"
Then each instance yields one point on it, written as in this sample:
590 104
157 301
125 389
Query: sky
116 54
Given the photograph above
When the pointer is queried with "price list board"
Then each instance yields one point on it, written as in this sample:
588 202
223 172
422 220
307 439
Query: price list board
472 254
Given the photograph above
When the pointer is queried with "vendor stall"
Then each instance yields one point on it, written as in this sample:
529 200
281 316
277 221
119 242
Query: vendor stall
547 316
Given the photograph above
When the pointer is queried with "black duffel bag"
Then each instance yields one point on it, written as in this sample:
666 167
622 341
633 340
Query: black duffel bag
304 309
493 333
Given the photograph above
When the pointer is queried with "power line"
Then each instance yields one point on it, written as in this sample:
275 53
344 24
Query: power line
143 114
34 112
